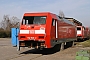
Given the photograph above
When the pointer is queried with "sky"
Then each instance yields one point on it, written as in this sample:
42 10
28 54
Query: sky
77 9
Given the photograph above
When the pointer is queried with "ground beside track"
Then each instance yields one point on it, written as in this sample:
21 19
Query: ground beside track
7 52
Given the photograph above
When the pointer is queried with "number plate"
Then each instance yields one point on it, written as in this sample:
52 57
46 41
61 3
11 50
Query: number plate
32 31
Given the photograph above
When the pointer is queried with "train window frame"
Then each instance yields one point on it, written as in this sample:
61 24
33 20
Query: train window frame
28 20
23 22
78 28
53 22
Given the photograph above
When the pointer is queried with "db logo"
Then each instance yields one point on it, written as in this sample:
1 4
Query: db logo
32 31
69 31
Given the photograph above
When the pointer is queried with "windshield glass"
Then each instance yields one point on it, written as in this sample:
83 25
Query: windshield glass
34 20
78 28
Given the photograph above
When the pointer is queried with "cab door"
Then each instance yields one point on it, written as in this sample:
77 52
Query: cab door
56 29
54 33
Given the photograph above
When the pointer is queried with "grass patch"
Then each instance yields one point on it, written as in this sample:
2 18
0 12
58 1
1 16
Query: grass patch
84 44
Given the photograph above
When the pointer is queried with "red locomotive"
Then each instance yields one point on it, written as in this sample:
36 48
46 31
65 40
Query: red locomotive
83 33
45 30
88 32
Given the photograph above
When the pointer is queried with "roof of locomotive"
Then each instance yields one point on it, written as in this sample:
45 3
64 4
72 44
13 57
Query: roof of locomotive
46 14
37 14
42 14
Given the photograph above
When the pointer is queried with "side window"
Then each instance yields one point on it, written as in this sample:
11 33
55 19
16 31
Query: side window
53 22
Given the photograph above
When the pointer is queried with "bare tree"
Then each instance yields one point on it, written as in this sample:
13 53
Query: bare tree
15 22
7 23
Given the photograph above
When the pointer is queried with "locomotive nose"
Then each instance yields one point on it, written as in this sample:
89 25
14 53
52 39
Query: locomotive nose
32 26
33 32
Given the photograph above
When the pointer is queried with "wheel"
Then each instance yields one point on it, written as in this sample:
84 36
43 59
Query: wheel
62 46
72 43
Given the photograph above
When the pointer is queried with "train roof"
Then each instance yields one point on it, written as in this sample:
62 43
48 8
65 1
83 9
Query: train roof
46 13
41 14
68 22
37 13
78 23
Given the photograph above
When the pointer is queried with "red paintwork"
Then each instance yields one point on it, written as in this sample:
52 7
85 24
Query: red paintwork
88 32
64 29
85 32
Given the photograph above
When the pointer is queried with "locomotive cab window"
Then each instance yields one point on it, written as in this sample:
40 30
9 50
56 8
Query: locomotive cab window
53 22
78 28
34 20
